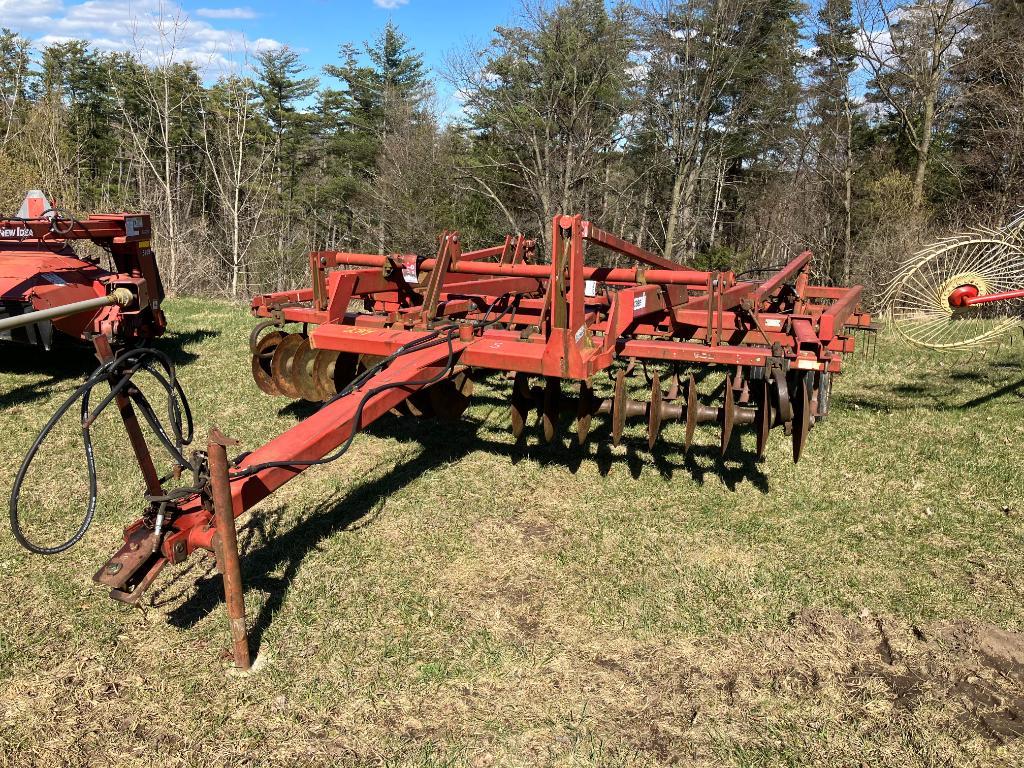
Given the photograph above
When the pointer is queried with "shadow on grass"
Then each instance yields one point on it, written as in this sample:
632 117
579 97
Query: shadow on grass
176 344
943 393
71 361
267 550
66 360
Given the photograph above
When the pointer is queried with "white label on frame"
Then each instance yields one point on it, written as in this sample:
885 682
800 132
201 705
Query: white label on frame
639 302
409 271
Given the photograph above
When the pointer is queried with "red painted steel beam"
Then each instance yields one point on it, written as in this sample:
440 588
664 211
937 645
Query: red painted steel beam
803 332
310 439
788 272
594 234
362 340
681 351
730 299
539 271
283 297
97 227
835 316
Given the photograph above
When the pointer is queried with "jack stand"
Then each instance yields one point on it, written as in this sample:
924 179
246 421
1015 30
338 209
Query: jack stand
225 543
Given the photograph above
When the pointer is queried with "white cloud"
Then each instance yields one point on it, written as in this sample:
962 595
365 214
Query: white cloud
226 13
156 30
390 4
18 13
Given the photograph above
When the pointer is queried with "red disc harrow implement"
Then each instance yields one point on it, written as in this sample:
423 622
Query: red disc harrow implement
401 333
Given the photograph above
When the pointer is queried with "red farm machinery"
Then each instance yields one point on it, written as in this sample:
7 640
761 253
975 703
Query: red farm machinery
401 333
47 288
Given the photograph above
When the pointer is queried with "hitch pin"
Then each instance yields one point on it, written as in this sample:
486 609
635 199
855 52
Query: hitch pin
159 525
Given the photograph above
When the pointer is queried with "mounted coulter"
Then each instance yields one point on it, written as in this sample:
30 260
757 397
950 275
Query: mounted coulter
407 334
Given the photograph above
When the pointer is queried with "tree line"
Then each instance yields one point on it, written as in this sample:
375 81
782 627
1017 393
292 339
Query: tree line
721 133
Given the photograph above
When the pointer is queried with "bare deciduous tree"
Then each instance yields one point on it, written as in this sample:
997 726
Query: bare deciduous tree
910 50
238 163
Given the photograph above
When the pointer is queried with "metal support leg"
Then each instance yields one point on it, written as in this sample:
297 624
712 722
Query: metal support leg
131 424
225 542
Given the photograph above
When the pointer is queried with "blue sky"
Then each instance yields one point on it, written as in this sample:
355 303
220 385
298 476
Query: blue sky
218 34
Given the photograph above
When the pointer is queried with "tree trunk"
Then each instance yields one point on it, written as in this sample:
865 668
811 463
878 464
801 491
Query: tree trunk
848 197
923 150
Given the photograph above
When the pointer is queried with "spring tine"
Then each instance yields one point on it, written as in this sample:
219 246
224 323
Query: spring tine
585 409
675 385
551 410
728 414
654 412
764 419
619 407
521 402
692 406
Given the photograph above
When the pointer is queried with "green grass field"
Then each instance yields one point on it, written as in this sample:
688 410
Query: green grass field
443 596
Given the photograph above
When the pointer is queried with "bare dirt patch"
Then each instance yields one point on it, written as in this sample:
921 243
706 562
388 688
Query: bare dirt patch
802 695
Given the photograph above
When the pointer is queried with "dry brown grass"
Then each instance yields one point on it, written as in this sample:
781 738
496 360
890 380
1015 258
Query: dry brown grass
443 596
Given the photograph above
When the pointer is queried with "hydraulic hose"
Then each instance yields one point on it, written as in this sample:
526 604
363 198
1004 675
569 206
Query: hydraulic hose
119 373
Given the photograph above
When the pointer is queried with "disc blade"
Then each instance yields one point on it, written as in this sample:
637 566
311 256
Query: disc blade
763 418
584 412
691 411
261 362
281 364
302 373
450 398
